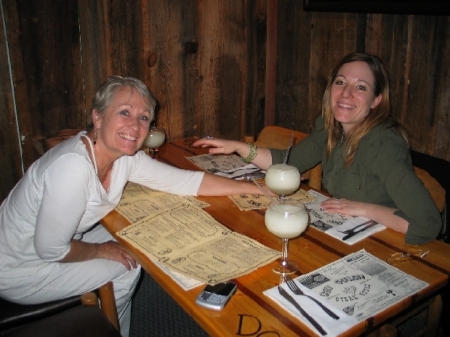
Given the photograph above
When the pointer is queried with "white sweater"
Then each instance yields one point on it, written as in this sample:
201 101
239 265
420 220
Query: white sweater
60 197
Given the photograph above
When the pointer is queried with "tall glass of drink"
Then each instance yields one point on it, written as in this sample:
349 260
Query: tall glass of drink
287 220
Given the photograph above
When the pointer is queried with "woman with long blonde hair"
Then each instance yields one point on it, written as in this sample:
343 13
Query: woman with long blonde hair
364 153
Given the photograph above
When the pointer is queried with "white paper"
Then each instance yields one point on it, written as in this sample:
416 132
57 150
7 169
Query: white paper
230 166
355 287
334 223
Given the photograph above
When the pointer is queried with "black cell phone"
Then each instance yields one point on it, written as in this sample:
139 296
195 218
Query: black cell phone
215 297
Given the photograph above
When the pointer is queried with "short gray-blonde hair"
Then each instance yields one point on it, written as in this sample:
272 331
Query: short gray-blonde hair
108 89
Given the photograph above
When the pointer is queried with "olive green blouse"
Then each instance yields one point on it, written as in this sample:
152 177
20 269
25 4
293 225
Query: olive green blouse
381 173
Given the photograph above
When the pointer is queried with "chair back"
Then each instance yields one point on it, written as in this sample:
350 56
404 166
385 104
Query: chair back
43 144
277 137
437 192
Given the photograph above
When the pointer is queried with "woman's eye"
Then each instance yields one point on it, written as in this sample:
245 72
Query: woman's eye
339 82
124 112
145 118
361 87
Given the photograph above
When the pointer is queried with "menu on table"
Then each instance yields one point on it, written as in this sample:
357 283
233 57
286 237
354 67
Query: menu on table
229 166
185 239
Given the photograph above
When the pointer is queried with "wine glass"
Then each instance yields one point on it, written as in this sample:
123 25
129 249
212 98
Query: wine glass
287 220
282 179
155 138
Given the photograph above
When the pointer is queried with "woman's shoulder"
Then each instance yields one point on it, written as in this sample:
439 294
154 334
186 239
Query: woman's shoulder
70 153
386 142
385 132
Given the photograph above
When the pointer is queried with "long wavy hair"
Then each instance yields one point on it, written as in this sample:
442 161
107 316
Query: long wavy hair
376 116
107 90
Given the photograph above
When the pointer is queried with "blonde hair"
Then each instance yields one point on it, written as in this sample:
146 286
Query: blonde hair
376 116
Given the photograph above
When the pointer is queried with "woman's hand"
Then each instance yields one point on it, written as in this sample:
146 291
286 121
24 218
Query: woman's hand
219 146
84 251
111 250
344 206
381 214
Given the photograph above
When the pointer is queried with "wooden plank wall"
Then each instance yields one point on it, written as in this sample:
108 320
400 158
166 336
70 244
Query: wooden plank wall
415 49
205 61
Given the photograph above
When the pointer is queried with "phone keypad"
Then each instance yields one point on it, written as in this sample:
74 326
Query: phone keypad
213 298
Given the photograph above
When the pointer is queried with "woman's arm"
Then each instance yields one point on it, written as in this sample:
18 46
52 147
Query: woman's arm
83 251
381 214
212 185
262 160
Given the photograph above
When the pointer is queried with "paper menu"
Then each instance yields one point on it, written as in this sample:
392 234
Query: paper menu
356 287
189 241
229 166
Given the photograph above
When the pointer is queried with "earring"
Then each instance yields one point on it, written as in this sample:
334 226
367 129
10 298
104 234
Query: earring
95 136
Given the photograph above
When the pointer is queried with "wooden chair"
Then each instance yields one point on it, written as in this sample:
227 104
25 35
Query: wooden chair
14 316
43 144
277 137
437 192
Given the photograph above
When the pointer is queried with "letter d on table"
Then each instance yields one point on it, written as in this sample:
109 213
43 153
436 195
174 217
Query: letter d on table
251 324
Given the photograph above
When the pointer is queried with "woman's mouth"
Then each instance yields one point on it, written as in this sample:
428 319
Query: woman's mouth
128 137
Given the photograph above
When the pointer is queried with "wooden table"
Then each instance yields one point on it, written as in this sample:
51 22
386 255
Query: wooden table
250 313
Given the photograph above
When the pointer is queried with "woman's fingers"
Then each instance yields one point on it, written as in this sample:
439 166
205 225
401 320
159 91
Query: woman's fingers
113 251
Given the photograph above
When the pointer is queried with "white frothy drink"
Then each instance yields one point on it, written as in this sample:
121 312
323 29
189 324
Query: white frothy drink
155 138
286 220
282 179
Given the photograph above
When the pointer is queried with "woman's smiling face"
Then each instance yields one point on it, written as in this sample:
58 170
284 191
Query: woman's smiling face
125 123
352 94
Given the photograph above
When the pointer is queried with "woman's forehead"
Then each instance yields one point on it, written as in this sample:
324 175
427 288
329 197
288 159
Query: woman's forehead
128 96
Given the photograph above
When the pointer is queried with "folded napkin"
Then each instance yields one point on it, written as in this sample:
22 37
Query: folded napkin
355 229
331 326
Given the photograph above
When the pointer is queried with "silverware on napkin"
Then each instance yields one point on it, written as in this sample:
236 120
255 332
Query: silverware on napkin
291 300
297 291
358 229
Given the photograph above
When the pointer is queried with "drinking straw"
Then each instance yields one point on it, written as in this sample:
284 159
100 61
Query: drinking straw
291 142
265 192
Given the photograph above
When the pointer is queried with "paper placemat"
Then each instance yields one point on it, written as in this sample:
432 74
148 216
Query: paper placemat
355 287
338 225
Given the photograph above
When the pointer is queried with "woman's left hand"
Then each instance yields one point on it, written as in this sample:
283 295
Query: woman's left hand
111 250
381 214
344 206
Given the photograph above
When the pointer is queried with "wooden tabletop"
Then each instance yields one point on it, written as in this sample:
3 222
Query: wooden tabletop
250 312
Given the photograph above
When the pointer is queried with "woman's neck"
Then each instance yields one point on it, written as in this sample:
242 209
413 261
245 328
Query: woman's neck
102 163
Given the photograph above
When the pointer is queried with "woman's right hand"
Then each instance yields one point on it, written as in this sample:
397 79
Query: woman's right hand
111 250
219 146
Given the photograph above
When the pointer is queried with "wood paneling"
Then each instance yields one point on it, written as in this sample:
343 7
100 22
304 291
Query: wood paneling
10 158
205 62
171 63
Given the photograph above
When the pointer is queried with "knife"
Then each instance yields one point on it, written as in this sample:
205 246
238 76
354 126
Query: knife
291 300
354 231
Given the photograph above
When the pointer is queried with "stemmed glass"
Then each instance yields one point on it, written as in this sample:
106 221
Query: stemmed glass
155 138
282 179
287 220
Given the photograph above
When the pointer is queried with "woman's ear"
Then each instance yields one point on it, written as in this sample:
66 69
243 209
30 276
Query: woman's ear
376 101
96 119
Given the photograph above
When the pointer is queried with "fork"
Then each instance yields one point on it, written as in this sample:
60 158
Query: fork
297 291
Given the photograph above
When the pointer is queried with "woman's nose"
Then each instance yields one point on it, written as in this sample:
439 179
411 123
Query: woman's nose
346 91
134 123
